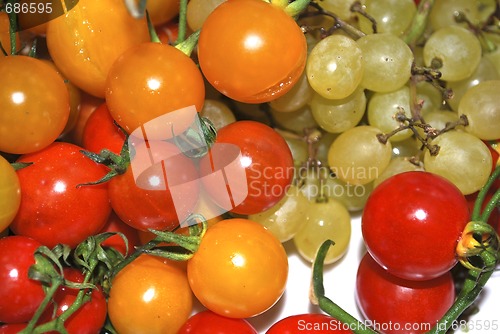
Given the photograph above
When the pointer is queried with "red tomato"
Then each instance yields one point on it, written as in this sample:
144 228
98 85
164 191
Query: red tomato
100 132
88 105
309 323
267 161
90 318
53 209
257 62
12 328
20 296
208 322
411 224
401 306
163 195
115 224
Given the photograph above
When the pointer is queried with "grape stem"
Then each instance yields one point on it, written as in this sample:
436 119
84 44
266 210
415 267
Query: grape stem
419 22
181 36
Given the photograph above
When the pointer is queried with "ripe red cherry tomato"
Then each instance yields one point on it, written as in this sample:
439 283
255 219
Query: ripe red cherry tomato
89 318
208 322
401 306
53 209
257 62
267 161
100 132
411 224
309 323
115 224
20 296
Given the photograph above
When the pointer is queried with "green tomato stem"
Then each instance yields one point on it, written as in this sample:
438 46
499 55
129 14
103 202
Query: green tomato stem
187 46
295 8
476 212
181 36
152 31
12 30
419 23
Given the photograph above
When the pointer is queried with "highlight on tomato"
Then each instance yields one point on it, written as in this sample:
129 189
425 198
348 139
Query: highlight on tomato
257 62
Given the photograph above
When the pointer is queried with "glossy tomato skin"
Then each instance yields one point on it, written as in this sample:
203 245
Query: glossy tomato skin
259 61
90 318
146 200
86 41
240 269
266 159
53 208
150 80
411 224
12 328
34 102
309 323
10 192
398 305
100 132
208 322
149 296
20 296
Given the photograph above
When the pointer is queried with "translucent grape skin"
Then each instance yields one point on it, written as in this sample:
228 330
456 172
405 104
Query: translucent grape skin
481 107
198 10
396 166
295 98
387 62
335 67
392 16
326 220
357 157
443 12
463 159
339 115
457 49
218 113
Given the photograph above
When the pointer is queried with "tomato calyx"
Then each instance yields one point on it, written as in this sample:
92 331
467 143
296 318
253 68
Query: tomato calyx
20 165
193 144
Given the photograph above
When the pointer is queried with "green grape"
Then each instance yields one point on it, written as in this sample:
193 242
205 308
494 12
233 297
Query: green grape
438 118
323 146
443 12
481 106
339 115
357 156
217 112
387 62
296 98
484 71
198 11
298 148
463 159
287 216
430 97
341 8
457 49
392 16
326 220
396 166
494 55
382 107
335 67
295 121
352 196
409 147
310 182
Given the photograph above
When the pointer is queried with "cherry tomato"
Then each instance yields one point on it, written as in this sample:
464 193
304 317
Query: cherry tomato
101 133
12 328
309 323
86 41
267 161
162 11
115 224
411 224
240 269
208 322
168 32
149 296
20 296
89 318
88 104
34 103
259 61
5 34
401 306
150 80
53 209
10 192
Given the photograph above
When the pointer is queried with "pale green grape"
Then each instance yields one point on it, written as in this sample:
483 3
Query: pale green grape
484 71
287 216
341 8
494 55
323 146
396 166
335 67
392 16
443 12
311 186
481 106
457 49
382 108
463 159
352 196
298 148
339 115
198 11
409 147
217 112
328 220
295 121
357 156
296 98
387 62
438 118
430 96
